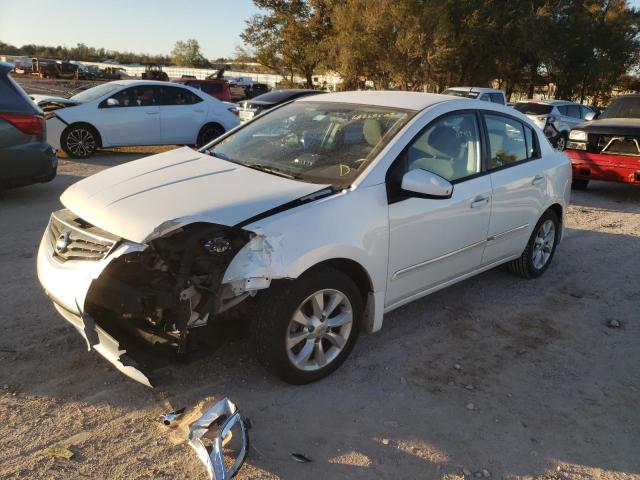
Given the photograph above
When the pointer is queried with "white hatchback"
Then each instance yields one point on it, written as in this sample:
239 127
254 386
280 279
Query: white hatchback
316 218
134 112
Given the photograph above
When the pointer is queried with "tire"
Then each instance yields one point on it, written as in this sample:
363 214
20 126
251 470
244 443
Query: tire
207 133
561 142
279 340
539 251
579 184
79 141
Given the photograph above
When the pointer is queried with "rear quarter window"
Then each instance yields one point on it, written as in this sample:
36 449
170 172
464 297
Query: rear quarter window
13 98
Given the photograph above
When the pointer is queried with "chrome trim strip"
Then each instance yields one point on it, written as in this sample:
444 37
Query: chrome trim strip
437 259
447 283
106 238
508 232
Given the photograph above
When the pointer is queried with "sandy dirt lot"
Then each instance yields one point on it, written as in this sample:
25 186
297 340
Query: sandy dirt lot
496 376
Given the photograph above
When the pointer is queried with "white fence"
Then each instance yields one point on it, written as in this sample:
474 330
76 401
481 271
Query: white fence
270 79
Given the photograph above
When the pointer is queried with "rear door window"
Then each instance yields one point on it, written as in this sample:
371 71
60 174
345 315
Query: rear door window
563 110
510 141
177 96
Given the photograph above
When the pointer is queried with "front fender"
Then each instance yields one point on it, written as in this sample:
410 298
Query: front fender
289 243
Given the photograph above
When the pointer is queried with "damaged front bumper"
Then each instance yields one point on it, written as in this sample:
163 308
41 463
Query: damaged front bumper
604 167
99 340
120 295
67 284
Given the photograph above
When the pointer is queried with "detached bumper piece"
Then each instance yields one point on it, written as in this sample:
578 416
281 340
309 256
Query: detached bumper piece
605 167
220 428
99 340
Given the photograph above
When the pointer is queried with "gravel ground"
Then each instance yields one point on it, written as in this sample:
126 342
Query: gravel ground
495 376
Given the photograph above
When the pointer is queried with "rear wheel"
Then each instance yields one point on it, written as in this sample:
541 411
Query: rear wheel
79 141
208 133
303 330
579 184
540 249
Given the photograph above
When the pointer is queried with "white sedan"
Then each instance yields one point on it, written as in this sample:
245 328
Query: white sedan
317 217
134 112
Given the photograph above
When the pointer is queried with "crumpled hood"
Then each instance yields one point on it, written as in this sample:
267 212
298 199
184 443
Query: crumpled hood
176 188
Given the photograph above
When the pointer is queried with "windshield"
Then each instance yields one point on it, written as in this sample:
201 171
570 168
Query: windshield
533 108
95 92
623 107
315 142
461 93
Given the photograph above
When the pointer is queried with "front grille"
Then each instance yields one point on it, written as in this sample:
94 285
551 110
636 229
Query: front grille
74 239
614 144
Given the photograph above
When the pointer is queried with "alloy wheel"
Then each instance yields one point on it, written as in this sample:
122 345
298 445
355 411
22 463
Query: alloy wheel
319 329
561 143
543 244
81 142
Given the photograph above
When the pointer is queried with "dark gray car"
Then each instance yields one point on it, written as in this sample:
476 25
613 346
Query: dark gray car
25 156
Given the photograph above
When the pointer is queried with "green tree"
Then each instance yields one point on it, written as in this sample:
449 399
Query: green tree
290 36
187 54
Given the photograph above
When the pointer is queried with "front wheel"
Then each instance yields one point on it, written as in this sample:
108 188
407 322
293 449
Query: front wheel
540 249
79 141
304 329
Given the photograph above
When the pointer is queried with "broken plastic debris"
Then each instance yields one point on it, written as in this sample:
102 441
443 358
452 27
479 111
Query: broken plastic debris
300 457
58 451
171 417
217 427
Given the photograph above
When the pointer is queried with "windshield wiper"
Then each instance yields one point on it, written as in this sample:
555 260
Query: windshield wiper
257 166
221 156
272 170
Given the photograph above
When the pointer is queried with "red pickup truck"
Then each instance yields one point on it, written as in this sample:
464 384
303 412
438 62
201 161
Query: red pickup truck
608 148
217 88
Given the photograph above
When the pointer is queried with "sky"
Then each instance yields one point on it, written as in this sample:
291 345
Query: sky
140 26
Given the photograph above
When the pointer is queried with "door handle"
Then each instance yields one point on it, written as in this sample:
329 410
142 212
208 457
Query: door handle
479 201
537 180
152 113
199 110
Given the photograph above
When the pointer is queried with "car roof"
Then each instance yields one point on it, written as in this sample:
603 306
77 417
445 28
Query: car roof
475 89
280 96
139 82
198 80
549 102
394 99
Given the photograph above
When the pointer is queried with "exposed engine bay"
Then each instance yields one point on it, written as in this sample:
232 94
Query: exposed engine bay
169 288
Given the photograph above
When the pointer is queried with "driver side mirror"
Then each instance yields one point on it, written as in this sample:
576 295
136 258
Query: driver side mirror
424 184
112 102
590 116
